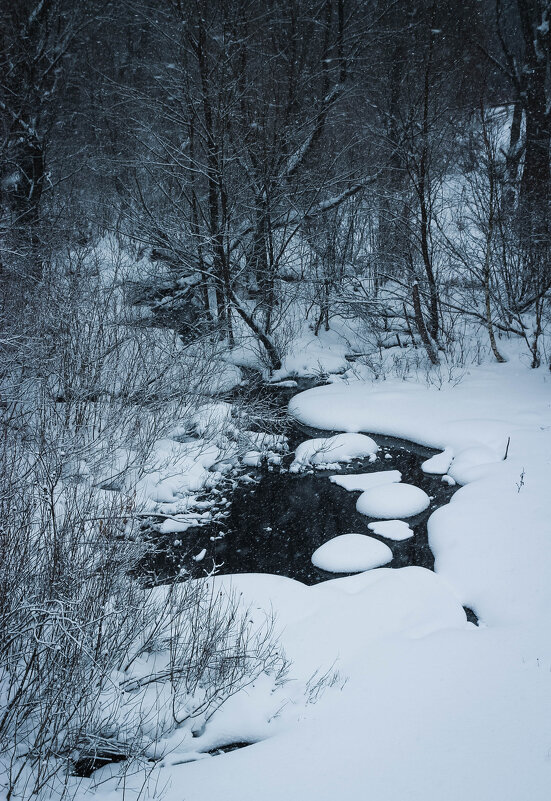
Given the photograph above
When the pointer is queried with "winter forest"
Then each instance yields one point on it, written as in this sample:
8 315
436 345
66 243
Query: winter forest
275 408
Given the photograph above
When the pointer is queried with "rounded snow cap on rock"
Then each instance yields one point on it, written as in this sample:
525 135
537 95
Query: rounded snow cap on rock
330 450
391 529
391 501
351 553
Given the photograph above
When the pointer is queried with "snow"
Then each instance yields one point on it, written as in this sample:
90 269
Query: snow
171 525
411 603
364 481
391 529
252 458
245 355
332 450
175 469
469 460
440 463
267 448
412 411
392 500
315 355
288 384
351 553
267 442
211 417
428 706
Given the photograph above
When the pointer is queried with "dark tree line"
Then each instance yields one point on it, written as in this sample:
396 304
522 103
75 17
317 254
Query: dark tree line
228 138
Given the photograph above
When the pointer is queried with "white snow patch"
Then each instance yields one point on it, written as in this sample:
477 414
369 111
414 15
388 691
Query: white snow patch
330 450
363 481
287 384
175 469
392 500
439 463
312 355
252 458
212 418
351 553
173 526
391 529
466 466
267 442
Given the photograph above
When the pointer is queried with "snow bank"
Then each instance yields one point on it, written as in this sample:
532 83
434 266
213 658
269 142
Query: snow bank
452 417
332 450
351 553
313 355
392 500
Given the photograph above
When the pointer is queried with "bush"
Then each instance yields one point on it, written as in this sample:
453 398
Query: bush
94 665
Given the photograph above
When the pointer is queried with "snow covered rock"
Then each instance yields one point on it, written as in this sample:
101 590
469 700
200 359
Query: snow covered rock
392 501
331 450
364 481
351 553
391 529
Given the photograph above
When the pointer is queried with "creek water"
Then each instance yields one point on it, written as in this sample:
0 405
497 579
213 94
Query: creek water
275 520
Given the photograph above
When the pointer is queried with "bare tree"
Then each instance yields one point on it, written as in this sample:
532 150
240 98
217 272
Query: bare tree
36 42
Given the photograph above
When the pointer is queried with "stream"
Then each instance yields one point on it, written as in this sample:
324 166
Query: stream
274 520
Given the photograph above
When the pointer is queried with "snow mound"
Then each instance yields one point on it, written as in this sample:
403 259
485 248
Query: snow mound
392 500
176 468
391 529
312 354
331 450
439 463
212 418
365 481
466 466
351 553
257 458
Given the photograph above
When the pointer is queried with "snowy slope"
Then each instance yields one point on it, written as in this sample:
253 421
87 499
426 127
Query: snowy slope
433 707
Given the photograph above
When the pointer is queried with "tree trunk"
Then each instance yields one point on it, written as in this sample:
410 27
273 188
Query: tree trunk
271 350
431 353
422 190
534 188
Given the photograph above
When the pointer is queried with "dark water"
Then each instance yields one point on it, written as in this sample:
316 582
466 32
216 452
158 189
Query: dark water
275 524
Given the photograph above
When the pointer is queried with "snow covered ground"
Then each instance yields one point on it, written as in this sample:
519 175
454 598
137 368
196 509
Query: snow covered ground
429 706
